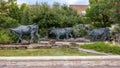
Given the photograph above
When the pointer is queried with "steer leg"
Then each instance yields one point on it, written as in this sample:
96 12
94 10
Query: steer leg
32 37
38 37
58 37
67 36
19 39
70 35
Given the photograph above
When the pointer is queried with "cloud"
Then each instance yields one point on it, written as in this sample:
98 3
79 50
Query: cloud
72 1
26 1
80 2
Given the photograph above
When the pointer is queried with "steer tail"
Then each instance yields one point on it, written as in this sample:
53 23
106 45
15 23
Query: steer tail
10 30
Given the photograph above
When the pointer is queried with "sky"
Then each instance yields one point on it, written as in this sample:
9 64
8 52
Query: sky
50 2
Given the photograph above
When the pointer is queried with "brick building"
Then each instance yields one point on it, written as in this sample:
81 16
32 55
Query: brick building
80 8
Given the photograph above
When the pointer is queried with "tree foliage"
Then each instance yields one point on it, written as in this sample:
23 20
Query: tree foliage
6 17
79 30
25 14
55 16
102 13
44 15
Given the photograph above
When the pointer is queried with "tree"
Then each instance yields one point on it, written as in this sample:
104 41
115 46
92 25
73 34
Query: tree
14 11
6 21
115 11
99 13
4 6
25 14
55 16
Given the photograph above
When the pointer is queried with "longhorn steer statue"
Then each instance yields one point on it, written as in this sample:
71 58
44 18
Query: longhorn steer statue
26 30
62 31
97 34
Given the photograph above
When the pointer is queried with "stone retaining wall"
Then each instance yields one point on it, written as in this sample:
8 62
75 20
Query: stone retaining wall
61 62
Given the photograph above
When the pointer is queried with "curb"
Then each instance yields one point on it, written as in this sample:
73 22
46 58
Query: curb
48 58
93 51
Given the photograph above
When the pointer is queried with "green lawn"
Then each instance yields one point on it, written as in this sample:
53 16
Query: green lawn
63 51
102 47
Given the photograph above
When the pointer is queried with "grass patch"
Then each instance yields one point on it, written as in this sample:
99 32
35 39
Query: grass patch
102 47
62 51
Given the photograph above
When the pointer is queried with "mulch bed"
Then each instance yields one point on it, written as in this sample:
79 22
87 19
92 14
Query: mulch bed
24 46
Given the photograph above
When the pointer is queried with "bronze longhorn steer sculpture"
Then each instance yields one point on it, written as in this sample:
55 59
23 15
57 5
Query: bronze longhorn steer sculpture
95 34
22 30
62 31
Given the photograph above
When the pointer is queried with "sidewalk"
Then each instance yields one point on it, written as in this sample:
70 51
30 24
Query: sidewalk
61 62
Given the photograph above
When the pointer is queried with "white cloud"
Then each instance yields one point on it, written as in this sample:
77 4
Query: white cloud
77 1
24 1
52 1
72 1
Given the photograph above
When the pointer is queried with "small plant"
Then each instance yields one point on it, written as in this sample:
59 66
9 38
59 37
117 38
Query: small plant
4 37
79 30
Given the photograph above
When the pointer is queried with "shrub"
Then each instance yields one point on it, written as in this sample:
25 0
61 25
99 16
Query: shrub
79 30
10 23
7 22
4 37
42 32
